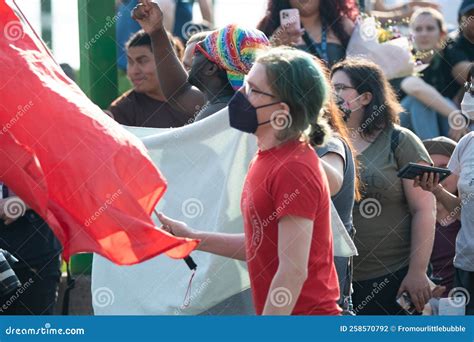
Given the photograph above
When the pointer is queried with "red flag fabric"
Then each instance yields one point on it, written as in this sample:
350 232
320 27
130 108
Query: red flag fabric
91 180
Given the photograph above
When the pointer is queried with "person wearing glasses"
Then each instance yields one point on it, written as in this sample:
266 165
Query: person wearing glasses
394 221
287 240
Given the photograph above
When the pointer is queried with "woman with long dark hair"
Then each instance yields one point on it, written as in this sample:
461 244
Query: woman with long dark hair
394 221
327 26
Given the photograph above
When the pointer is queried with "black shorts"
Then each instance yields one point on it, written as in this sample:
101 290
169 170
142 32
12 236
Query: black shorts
464 284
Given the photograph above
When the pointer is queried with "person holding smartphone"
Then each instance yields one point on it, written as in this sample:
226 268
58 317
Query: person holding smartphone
394 221
460 206
287 240
324 27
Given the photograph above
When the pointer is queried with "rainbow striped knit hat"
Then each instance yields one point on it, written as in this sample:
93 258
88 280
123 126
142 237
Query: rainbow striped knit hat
233 49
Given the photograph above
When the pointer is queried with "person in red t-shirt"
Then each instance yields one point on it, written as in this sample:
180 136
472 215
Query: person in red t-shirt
285 200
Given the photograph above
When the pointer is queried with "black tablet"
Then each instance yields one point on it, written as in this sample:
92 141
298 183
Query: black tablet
412 170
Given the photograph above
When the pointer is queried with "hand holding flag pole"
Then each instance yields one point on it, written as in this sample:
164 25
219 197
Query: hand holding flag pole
188 260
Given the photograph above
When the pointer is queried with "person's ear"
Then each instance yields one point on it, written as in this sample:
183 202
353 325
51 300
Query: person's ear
281 116
442 37
284 108
211 69
366 98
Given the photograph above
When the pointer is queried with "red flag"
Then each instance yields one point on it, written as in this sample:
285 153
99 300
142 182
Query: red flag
91 180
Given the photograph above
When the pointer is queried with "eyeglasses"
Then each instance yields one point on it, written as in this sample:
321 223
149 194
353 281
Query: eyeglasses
249 91
469 87
338 87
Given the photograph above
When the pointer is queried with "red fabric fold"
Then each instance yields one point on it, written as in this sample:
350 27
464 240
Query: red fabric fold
90 179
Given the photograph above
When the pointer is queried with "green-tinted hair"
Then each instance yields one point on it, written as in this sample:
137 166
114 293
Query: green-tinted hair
299 82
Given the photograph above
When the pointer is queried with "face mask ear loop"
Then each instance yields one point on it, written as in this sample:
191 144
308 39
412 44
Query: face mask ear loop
267 105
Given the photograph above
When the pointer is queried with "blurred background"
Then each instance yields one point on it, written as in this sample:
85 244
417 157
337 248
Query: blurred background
65 23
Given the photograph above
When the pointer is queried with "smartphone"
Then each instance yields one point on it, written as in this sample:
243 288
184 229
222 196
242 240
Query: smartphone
290 18
412 170
406 304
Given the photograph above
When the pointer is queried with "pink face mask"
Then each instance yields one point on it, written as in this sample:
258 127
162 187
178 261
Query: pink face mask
345 106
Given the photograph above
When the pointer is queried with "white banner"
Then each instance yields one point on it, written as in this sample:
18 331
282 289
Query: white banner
205 165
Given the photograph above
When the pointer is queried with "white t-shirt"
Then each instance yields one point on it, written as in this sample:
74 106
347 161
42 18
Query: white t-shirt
462 165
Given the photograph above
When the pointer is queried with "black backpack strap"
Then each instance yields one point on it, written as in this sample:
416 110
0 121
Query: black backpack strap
395 139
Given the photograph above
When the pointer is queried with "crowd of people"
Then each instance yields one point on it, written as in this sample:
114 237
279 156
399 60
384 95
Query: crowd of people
329 127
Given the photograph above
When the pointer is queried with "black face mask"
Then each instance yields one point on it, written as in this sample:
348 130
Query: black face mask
346 111
243 116
195 74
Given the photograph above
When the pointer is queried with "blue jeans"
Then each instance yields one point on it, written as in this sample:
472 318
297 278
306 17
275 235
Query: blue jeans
423 121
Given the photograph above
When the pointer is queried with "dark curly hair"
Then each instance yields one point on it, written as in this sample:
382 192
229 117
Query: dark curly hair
331 12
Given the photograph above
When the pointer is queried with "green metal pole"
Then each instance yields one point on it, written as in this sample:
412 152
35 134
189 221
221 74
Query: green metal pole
98 72
46 23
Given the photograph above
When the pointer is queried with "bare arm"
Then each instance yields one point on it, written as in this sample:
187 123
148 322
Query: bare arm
171 73
294 244
398 13
430 182
395 15
428 95
207 10
334 167
227 245
460 71
422 207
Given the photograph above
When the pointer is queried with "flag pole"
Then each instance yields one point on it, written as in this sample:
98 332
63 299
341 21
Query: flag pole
188 260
